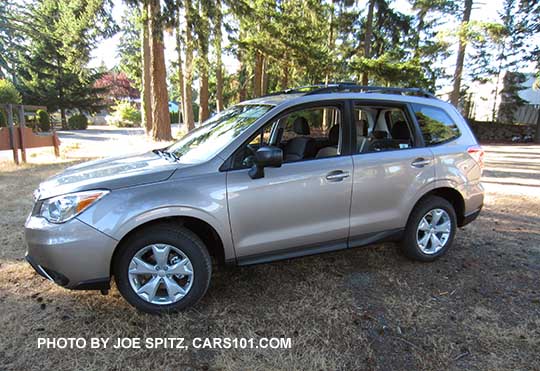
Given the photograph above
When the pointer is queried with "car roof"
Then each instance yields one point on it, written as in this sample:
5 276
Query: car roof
290 99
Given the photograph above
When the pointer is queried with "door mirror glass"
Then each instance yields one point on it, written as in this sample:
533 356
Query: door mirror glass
266 156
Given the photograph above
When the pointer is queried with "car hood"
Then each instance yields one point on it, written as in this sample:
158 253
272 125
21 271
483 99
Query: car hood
109 173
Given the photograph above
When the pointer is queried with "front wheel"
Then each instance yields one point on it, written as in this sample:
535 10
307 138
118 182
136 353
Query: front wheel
430 230
163 268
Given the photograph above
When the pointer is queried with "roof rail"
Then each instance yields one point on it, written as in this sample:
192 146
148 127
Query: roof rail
298 90
350 87
344 87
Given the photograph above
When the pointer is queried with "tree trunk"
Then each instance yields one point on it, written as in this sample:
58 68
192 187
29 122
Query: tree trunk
454 97
146 104
63 118
265 77
257 76
203 32
284 81
367 39
188 68
161 123
242 71
180 75
219 64
331 41
204 112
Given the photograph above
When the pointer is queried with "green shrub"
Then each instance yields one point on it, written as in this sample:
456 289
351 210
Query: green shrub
174 117
125 115
8 93
43 120
3 119
77 122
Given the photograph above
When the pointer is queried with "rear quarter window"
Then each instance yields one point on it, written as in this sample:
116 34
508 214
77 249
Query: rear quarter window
436 125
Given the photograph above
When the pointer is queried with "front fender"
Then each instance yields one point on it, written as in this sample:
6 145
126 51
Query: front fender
202 197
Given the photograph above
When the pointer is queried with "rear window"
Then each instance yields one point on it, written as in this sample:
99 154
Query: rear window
436 125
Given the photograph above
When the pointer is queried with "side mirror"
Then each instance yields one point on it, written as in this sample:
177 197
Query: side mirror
267 156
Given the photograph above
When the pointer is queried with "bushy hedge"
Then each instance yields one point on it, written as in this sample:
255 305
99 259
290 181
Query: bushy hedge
125 115
43 120
8 93
77 122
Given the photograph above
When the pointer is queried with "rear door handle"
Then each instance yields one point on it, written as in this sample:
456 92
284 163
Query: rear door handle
420 162
337 175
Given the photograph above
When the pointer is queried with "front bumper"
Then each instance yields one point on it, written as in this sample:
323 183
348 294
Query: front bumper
73 254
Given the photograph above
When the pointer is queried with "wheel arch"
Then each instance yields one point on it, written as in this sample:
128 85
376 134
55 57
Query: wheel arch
451 195
204 230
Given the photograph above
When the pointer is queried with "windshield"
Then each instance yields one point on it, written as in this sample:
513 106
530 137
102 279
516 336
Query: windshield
203 143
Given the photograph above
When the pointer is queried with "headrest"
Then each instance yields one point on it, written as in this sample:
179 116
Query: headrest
333 135
400 131
362 127
300 126
379 134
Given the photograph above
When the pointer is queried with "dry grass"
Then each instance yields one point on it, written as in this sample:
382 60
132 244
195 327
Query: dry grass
476 308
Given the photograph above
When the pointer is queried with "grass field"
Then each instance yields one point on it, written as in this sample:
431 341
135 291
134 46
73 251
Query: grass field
478 307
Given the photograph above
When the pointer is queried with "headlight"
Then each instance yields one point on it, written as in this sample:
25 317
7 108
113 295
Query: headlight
63 208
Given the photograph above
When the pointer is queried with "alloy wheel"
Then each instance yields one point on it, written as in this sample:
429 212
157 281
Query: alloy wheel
433 231
160 274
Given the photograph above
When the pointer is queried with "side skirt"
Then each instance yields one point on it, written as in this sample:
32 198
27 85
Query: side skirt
296 252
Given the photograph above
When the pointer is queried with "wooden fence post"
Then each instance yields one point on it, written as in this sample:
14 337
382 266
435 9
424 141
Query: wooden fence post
11 130
537 136
21 133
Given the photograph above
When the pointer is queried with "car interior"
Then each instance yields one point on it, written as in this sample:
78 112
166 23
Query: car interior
315 133
381 129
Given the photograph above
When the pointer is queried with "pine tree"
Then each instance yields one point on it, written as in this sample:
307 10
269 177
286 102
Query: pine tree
53 71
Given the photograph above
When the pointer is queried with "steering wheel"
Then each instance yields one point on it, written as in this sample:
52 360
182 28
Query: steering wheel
249 160
251 149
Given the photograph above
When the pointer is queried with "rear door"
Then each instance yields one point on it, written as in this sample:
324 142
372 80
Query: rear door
391 167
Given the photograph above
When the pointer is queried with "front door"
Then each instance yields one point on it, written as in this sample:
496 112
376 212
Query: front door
303 206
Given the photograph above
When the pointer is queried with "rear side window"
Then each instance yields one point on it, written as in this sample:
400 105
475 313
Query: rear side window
437 127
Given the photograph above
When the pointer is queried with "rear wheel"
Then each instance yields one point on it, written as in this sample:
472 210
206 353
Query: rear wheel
163 268
430 230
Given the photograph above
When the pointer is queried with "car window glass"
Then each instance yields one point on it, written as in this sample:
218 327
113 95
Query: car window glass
436 125
310 133
203 143
381 128
243 157
307 134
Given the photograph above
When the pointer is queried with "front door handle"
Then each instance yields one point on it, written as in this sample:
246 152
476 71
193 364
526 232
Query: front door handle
337 175
420 162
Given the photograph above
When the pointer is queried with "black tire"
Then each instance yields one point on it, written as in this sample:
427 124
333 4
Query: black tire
409 243
181 238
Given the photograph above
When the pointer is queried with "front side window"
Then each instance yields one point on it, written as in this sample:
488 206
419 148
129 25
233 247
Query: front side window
205 142
436 125
305 134
310 133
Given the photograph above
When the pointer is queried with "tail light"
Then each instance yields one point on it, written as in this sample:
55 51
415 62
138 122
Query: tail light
477 153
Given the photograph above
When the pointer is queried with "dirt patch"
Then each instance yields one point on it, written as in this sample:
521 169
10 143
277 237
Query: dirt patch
478 307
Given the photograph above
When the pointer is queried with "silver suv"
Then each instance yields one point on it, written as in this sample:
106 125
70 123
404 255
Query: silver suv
301 172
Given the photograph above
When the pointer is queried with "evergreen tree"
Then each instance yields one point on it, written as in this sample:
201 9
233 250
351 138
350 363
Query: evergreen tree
53 71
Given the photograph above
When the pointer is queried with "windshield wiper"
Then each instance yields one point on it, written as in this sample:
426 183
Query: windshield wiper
168 155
